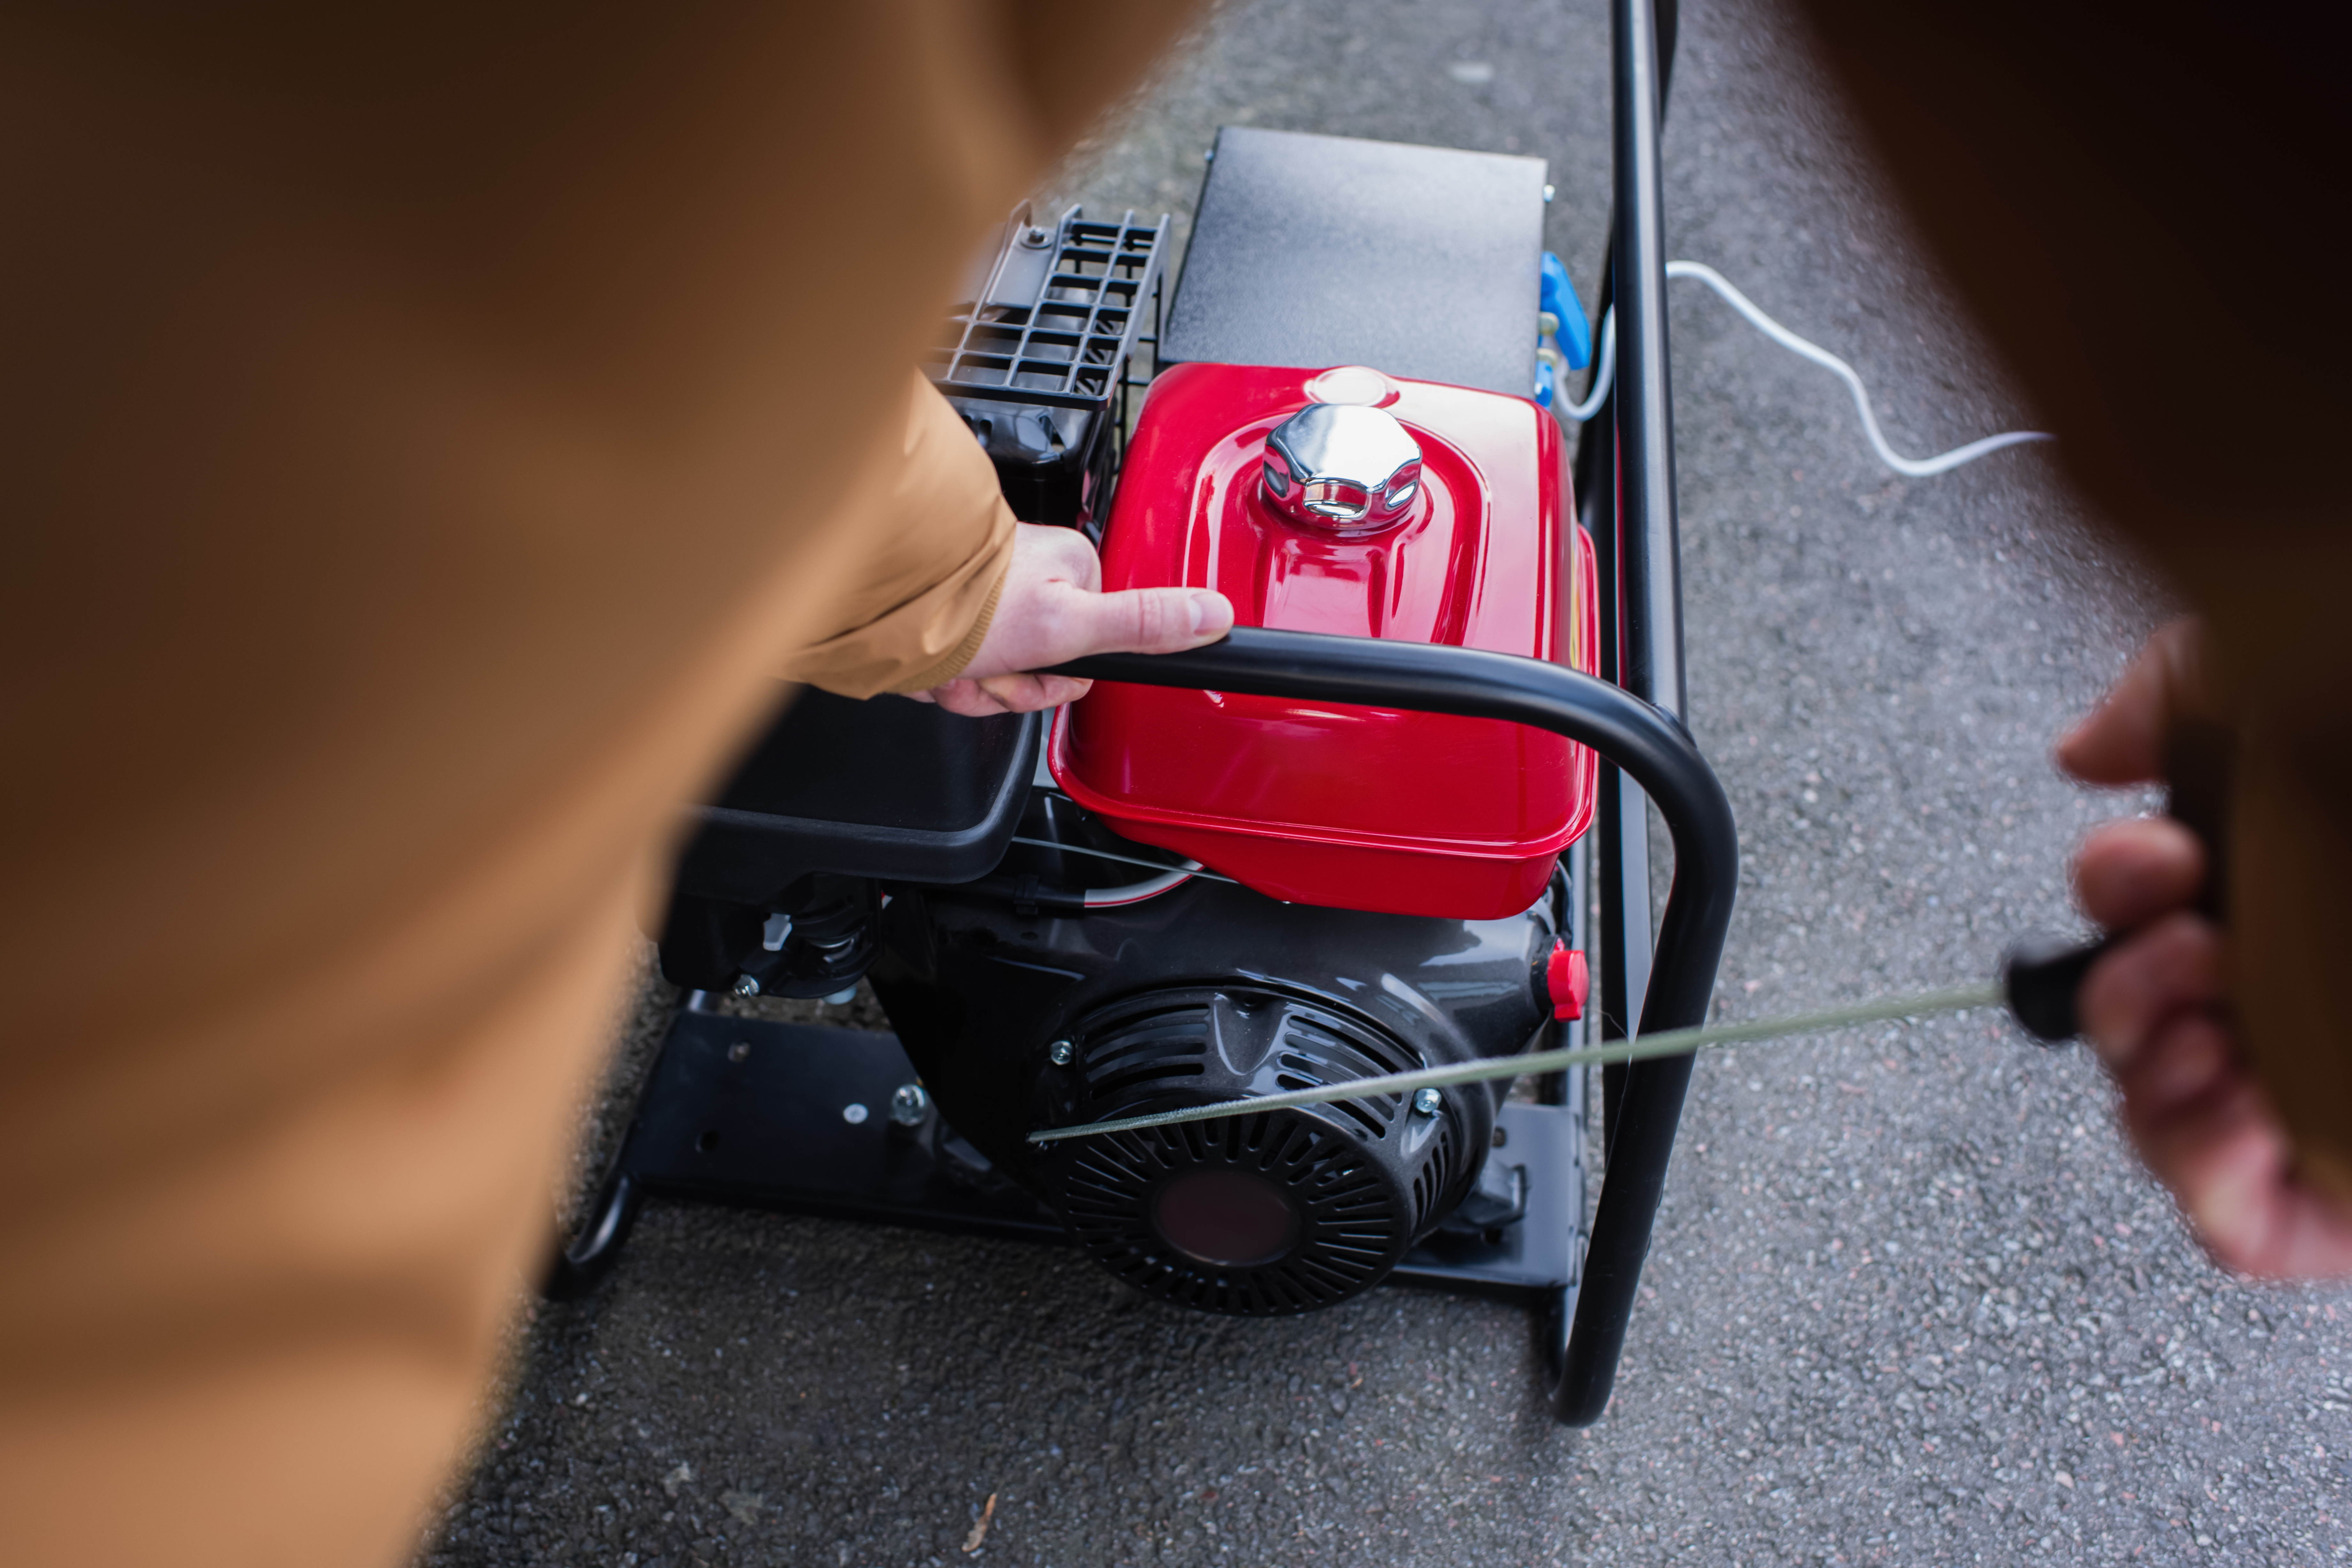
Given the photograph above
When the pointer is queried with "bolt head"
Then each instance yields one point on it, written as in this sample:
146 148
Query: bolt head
740 1051
1061 1053
909 1103
1427 1101
746 986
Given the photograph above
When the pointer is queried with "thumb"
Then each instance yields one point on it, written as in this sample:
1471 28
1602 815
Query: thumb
1150 620
2122 741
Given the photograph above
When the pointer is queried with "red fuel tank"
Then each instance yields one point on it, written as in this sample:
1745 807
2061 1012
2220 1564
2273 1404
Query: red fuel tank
1345 501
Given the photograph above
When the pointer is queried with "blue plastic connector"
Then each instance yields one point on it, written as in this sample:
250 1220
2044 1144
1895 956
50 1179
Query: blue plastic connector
1558 297
1544 382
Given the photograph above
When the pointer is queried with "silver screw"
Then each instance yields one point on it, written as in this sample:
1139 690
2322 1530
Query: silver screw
1425 1102
1060 1053
910 1105
745 986
740 1051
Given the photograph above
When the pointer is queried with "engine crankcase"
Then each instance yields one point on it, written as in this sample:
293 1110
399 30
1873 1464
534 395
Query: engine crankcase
1207 994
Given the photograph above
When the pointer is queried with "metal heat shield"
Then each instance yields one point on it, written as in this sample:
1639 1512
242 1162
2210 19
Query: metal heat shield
1310 251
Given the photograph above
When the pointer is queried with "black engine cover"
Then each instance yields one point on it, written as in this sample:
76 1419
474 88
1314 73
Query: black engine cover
1206 994
1282 1212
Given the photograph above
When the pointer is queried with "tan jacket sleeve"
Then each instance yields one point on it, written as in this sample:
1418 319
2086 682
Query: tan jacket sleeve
425 440
2133 253
935 547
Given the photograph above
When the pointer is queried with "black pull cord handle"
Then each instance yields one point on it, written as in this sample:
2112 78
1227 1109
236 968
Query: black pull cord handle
2041 974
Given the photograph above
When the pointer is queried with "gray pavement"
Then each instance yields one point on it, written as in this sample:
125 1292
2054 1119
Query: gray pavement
1910 1301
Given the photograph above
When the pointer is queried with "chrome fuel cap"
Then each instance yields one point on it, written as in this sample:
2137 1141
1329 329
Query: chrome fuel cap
1343 467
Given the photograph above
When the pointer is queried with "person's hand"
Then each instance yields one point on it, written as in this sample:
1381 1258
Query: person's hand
2156 1007
1053 608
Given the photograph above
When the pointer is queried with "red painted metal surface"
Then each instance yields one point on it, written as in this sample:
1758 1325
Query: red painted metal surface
1319 802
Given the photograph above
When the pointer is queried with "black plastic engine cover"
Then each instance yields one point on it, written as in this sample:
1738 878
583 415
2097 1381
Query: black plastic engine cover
880 788
835 795
1205 993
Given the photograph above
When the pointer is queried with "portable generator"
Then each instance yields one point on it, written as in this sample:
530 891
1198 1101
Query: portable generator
1353 840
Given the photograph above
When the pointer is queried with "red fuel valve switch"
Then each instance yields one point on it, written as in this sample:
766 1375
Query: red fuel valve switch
1567 980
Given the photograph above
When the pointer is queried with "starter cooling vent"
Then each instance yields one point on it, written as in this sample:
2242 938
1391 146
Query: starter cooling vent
1269 1215
1286 1211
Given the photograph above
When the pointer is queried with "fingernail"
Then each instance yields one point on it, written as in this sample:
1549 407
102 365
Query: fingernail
1212 613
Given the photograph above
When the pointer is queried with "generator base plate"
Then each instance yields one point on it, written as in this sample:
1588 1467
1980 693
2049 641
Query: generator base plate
796 1117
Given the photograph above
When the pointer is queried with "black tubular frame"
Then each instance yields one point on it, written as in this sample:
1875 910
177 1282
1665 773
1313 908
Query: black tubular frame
1652 748
1631 444
1648 743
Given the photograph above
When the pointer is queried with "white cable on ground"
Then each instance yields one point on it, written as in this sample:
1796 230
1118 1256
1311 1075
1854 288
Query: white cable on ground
1912 467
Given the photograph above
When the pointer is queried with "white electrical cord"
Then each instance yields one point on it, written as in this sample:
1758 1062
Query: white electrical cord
1912 467
1136 893
1604 378
1191 868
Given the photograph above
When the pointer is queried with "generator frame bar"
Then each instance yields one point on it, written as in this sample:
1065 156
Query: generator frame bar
1625 461
1650 746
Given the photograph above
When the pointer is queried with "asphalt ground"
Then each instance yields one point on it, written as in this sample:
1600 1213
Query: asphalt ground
1911 1300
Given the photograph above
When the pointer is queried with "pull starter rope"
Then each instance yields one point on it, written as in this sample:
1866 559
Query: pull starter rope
1672 1042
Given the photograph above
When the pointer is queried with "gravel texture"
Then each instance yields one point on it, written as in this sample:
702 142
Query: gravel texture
1910 1301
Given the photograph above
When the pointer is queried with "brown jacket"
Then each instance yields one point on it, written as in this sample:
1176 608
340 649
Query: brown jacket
423 441
2145 205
